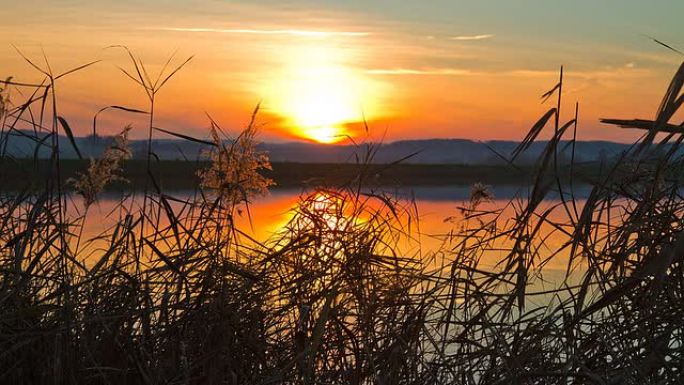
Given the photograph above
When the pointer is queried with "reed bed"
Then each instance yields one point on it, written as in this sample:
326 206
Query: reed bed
177 293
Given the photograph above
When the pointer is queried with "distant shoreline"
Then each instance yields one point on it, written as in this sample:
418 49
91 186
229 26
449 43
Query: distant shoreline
170 174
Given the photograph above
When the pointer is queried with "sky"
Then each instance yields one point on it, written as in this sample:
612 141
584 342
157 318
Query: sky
319 69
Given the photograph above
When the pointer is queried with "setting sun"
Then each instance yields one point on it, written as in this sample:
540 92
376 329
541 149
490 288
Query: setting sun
325 134
319 95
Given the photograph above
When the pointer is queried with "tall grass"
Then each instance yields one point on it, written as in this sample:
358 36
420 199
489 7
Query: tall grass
177 293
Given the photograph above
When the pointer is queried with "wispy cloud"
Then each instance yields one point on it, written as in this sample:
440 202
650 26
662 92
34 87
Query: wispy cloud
624 71
414 71
472 37
286 32
627 70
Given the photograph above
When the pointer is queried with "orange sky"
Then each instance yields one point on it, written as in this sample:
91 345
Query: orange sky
445 69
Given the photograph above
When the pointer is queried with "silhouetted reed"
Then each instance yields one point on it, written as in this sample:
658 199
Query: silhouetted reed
177 293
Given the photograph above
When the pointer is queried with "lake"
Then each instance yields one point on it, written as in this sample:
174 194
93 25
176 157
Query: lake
435 215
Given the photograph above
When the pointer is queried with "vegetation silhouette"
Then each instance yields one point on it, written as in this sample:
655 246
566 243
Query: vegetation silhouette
177 293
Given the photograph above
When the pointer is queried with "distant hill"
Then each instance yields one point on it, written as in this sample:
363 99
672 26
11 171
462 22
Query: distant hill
428 151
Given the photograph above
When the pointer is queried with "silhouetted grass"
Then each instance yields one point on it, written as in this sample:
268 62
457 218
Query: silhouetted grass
176 293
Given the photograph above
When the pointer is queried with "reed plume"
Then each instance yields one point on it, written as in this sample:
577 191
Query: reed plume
104 170
235 167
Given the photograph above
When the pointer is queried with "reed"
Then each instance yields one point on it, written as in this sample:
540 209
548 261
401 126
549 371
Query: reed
177 293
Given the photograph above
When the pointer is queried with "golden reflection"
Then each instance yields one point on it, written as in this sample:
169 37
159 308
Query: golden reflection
327 217
330 211
330 214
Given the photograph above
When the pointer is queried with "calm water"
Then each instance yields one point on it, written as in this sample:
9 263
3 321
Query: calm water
434 204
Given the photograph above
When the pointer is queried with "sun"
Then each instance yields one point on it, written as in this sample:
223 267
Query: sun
322 99
325 135
318 94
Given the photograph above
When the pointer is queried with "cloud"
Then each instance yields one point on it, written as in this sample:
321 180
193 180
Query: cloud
286 32
414 71
472 37
532 73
